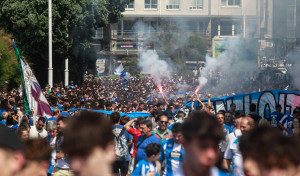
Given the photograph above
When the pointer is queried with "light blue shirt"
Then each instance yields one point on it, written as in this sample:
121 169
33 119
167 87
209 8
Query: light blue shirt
143 167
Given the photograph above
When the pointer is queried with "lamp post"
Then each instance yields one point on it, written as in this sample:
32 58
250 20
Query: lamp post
50 69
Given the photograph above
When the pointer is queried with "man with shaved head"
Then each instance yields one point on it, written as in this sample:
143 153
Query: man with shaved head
233 158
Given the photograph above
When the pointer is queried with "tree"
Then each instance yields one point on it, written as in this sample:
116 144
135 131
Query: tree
9 72
74 22
131 65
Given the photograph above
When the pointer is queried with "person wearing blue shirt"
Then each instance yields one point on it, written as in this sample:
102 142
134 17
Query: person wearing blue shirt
66 111
56 113
253 113
148 166
172 152
286 122
146 138
229 120
226 129
4 118
276 116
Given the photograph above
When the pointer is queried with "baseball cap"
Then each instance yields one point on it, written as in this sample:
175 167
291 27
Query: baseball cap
9 139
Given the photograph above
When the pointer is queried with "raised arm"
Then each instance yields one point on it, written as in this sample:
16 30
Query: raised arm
128 124
208 97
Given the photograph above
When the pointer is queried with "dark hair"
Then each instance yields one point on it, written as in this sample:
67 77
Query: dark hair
55 111
152 149
124 120
139 119
203 126
252 107
270 148
20 130
232 104
86 131
148 123
239 114
66 107
37 149
177 127
115 117
221 112
180 114
278 106
42 119
228 112
159 104
63 119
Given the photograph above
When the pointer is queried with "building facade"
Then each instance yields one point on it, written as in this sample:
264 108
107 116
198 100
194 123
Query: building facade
213 19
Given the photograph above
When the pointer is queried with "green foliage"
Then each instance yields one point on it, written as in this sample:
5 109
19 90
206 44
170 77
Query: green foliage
131 65
9 72
74 22
179 45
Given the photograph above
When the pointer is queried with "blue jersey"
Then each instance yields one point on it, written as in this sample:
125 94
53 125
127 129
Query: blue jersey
143 167
63 113
172 155
287 122
227 129
142 144
275 118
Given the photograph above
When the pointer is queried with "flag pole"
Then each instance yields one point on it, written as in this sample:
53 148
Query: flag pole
50 69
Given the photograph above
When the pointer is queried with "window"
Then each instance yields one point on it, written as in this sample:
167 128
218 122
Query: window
173 4
197 4
231 2
130 5
98 33
150 4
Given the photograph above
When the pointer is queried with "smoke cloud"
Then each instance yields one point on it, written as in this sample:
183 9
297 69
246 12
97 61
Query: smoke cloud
294 71
233 66
150 63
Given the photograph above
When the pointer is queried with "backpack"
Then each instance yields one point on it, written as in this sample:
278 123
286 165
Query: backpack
121 148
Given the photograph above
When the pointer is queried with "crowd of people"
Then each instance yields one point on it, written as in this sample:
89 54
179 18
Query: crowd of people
75 141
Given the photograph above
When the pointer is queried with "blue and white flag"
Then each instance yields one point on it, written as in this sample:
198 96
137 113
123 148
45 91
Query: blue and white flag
120 72
286 88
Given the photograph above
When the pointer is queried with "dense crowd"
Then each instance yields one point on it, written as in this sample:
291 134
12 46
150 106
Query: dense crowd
113 94
74 141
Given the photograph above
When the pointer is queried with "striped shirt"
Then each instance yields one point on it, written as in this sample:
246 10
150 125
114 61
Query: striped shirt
172 154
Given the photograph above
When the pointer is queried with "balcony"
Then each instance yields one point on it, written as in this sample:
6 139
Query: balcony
133 35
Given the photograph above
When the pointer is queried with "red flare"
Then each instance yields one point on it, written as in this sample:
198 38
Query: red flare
160 89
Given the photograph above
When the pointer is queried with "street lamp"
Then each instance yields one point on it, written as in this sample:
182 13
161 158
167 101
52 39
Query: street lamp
50 69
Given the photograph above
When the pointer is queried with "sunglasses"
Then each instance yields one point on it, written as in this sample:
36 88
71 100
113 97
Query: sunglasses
164 122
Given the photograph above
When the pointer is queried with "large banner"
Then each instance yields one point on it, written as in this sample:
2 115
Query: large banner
265 102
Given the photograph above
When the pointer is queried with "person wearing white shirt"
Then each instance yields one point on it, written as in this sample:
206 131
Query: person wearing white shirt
38 129
172 152
233 159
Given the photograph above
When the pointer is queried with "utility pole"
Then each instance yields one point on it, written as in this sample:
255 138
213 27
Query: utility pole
244 18
50 69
